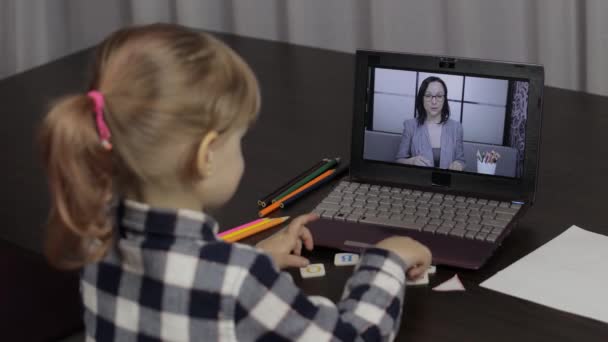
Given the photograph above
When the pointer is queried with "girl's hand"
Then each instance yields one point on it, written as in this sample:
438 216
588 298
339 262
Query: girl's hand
416 256
285 246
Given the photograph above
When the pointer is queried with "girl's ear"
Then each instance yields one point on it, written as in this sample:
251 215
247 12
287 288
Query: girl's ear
204 155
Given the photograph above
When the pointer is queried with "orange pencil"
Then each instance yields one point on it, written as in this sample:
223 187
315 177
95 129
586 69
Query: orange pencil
254 230
233 233
243 226
277 204
243 229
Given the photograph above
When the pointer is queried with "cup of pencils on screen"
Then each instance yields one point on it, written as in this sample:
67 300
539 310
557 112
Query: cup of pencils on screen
486 162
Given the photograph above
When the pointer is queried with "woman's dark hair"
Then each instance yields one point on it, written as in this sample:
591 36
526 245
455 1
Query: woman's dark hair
420 114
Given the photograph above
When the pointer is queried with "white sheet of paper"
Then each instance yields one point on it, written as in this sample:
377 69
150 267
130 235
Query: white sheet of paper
568 273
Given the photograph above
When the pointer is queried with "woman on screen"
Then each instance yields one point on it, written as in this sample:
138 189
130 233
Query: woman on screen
431 139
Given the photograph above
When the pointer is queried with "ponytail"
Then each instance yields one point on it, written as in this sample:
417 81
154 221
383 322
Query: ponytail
79 171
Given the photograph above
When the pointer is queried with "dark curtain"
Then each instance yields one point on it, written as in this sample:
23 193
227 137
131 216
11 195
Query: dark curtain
519 113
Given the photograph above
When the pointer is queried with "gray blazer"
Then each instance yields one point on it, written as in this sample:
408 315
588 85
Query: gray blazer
415 141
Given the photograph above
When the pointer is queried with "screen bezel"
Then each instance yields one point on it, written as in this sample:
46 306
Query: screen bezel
520 189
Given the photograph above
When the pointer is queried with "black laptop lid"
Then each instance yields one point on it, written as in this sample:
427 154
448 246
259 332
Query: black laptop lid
489 114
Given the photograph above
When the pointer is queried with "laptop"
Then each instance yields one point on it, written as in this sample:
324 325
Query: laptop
444 150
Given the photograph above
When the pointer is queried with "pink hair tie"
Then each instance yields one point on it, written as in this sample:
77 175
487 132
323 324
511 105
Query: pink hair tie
102 127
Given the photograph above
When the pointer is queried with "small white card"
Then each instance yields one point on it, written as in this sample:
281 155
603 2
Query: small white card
432 270
423 280
346 259
312 271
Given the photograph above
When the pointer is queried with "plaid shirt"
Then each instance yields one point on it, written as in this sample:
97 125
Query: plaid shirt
169 277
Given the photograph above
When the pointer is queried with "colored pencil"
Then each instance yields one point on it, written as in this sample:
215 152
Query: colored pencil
330 164
235 232
313 187
254 230
266 199
277 204
232 230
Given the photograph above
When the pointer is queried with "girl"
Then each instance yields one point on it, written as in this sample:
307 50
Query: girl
160 130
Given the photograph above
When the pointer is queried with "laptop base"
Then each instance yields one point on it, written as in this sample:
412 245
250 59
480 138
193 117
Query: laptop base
446 250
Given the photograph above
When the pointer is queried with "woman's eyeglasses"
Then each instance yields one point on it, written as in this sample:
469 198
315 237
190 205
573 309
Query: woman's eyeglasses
429 97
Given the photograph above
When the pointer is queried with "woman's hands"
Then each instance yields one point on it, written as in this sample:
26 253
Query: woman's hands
416 160
285 246
421 161
456 165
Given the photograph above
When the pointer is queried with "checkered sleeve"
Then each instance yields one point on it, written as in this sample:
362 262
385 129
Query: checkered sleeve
269 306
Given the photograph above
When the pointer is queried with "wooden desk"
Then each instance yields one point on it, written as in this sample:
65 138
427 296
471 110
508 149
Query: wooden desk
306 115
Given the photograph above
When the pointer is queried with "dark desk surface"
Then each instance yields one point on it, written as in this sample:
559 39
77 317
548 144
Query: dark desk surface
306 115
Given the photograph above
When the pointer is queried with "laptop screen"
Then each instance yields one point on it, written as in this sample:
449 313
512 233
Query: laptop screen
457 122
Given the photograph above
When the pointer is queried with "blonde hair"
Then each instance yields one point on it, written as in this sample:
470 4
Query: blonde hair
163 85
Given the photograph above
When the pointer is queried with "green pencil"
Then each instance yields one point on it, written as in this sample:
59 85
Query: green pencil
331 163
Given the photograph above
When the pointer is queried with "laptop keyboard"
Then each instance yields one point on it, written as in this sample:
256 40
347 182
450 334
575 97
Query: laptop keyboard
435 213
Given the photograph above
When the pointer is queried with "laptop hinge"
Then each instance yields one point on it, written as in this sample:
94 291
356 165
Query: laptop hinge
440 179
